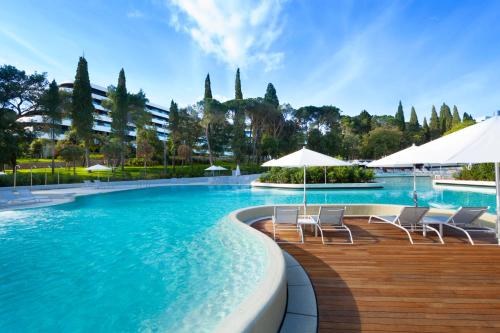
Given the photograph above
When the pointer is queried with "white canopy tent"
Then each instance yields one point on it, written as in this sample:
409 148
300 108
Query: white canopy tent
399 160
305 158
98 168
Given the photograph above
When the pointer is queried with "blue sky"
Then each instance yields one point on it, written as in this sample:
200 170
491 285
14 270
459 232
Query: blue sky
352 54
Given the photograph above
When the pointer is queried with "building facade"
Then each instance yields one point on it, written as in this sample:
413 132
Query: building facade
102 119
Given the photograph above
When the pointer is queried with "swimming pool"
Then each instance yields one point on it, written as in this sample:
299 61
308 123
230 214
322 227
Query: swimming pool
157 259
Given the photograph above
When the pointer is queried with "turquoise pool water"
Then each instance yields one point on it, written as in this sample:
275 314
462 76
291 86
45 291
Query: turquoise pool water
152 260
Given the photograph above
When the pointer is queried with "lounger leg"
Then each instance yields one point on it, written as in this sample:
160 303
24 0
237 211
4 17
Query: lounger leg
350 234
404 229
436 231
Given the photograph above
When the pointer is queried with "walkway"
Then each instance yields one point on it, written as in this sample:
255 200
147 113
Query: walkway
384 284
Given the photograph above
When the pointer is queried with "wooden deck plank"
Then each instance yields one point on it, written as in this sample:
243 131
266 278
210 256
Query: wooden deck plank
384 284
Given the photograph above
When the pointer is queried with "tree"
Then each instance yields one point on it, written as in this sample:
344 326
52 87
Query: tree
21 92
174 129
400 118
119 114
71 153
413 125
445 118
381 142
467 116
52 111
426 131
238 94
208 88
112 152
214 113
145 148
14 138
137 113
82 110
456 117
434 126
271 97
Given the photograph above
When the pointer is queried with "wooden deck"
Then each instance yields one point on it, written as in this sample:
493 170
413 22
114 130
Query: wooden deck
384 284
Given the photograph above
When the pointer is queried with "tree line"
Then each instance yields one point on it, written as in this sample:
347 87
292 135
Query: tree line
247 130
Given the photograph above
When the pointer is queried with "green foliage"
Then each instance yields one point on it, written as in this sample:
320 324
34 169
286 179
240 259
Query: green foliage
208 88
36 148
14 138
426 131
72 153
485 171
400 118
460 126
316 175
271 97
456 117
434 126
238 94
82 109
381 142
445 118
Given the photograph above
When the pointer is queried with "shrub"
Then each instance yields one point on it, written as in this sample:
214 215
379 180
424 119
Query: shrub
316 175
485 171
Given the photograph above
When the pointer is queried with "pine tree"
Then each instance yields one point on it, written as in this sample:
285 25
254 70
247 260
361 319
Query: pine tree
82 110
119 115
237 86
426 131
445 118
51 102
400 118
413 125
467 117
434 126
456 117
208 88
271 96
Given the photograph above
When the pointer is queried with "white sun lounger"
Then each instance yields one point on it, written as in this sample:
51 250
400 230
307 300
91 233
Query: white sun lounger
409 220
463 220
331 219
287 218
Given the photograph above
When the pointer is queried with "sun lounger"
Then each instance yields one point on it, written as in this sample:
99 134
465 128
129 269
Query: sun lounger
331 219
28 195
462 220
409 220
286 218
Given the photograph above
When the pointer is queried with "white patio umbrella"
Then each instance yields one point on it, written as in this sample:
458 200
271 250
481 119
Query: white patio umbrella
478 143
237 172
400 160
98 168
305 158
214 168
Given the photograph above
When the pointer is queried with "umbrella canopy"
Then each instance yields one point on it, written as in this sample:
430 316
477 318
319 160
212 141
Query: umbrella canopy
237 172
399 159
98 167
302 159
2 173
305 158
215 168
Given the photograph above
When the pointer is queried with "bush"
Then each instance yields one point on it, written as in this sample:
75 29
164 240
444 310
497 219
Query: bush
484 171
316 175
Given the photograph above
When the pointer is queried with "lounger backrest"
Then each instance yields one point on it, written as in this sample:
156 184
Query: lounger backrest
285 215
412 215
331 216
467 215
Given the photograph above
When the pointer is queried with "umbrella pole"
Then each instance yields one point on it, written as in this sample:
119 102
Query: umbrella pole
325 175
305 198
497 183
415 198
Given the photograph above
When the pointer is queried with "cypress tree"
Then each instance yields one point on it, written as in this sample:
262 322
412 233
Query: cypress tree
51 103
456 117
400 118
271 96
467 117
208 88
237 86
434 126
119 115
173 126
445 118
82 110
413 125
426 131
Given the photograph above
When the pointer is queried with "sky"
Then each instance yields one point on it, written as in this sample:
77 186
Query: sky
352 54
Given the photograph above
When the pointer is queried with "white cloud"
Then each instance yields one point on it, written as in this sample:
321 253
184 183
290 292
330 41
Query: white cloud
238 33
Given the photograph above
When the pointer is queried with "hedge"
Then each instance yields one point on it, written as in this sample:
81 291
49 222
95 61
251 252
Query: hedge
316 175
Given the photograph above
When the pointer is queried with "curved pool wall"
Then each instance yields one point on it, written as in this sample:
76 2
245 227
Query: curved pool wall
264 309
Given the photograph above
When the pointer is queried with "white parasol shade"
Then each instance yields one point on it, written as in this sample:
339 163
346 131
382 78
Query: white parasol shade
215 168
98 167
302 159
305 158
